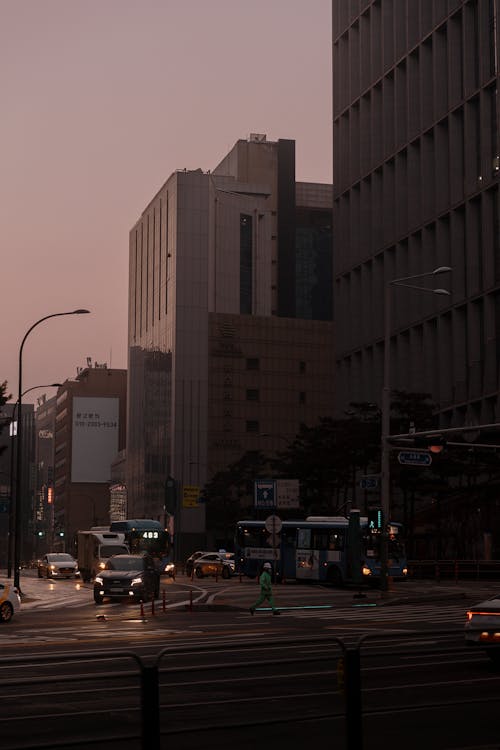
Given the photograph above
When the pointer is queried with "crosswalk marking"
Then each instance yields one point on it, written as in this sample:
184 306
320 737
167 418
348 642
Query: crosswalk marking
451 615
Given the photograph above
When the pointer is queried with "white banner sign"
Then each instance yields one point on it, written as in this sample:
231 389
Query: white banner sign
95 438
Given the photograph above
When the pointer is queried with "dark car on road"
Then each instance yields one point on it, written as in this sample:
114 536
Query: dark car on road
127 577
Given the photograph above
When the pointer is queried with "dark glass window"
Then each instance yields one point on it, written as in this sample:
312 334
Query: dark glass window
302 366
252 394
252 363
245 264
302 397
252 425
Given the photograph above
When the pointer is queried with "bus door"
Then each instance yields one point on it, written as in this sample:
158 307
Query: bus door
307 559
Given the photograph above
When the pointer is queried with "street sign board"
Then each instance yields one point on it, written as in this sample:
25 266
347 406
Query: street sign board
190 495
287 493
273 524
369 482
414 458
273 540
265 493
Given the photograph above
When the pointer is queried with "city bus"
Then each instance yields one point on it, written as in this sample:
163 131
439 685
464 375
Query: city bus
145 535
320 548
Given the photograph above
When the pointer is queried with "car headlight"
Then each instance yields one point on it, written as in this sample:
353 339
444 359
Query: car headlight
102 565
98 580
52 567
366 570
136 581
169 567
405 571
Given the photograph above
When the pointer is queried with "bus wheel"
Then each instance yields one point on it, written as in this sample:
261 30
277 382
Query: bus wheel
334 576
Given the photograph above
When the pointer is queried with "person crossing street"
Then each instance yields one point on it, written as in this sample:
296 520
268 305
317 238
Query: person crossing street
266 591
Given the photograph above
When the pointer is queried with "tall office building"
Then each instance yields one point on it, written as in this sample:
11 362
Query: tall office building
416 171
230 332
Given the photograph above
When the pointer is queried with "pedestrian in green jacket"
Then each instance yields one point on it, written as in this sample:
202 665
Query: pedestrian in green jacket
266 591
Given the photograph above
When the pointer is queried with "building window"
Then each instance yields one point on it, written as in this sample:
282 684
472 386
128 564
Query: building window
246 272
252 425
302 397
252 394
253 363
302 366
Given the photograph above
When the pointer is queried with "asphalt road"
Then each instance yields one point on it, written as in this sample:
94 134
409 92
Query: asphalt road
227 679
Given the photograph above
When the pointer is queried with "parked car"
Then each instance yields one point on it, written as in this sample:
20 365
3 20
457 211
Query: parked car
191 559
10 601
214 563
58 565
127 577
482 627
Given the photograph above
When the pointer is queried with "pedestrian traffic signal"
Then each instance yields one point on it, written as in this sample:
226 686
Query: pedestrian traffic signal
375 519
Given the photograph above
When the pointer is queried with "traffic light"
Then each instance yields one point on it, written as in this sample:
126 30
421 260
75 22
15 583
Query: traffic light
432 443
375 519
60 533
41 533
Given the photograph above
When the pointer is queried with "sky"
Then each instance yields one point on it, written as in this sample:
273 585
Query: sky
101 100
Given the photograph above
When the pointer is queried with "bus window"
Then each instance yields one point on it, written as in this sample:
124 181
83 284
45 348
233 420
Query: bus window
320 540
336 540
304 538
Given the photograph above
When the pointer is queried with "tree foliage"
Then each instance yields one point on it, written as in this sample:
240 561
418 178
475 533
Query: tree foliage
4 397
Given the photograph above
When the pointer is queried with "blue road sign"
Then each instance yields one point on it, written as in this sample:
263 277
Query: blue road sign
414 458
369 482
265 493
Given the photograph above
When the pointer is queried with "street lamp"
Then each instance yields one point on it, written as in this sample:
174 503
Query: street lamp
19 503
386 411
11 482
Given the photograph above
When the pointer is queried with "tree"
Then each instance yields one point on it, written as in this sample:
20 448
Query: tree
4 421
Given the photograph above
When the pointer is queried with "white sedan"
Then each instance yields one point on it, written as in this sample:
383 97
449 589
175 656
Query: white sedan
482 627
10 601
58 565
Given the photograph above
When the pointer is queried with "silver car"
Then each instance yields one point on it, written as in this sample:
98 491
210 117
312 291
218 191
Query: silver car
482 627
58 565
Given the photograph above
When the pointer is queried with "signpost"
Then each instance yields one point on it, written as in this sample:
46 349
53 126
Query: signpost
265 493
414 458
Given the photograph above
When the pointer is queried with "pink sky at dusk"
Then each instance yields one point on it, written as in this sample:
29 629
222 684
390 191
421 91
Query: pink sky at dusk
101 101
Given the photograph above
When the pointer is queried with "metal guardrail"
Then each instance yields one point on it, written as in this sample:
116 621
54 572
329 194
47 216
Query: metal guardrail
466 570
348 656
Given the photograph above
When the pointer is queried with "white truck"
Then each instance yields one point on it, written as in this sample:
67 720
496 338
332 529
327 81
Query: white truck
95 547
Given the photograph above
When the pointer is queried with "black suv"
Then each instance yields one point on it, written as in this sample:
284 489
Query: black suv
127 577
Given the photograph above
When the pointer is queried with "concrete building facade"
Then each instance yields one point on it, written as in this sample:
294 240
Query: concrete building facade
224 267
90 431
416 172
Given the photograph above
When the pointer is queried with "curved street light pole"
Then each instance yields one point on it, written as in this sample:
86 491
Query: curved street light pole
385 479
19 499
11 480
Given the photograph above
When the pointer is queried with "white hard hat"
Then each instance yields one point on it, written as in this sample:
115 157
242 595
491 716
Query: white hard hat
267 566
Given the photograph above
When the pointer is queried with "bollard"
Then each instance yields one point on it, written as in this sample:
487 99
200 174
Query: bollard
190 601
216 574
153 606
456 571
164 602
142 609
240 577
437 573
